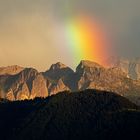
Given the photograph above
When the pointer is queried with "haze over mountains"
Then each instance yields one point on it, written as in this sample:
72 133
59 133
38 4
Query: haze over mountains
17 83
131 67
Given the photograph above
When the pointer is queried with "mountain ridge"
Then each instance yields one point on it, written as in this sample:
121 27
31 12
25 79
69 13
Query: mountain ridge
10 70
88 75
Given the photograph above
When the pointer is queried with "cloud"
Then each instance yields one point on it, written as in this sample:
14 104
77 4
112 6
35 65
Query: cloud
26 28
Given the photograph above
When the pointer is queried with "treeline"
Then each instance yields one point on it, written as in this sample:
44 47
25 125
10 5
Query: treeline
88 114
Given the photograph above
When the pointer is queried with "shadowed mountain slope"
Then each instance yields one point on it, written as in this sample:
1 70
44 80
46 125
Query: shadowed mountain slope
88 114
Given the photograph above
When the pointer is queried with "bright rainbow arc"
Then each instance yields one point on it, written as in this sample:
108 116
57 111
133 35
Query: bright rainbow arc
86 40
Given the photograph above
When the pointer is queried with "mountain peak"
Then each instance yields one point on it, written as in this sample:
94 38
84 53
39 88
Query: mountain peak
87 63
10 70
58 65
58 71
30 70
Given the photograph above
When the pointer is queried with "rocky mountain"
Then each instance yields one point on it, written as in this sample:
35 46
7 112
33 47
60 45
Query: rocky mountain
58 75
130 67
25 85
90 75
39 87
89 114
58 87
29 83
58 71
10 70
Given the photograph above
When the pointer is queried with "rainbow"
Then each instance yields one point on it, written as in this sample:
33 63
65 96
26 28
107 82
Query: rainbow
85 40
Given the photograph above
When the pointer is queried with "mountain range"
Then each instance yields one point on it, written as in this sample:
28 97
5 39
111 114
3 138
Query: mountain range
18 83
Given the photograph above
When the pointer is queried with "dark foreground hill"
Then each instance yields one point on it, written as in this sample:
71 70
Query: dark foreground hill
85 115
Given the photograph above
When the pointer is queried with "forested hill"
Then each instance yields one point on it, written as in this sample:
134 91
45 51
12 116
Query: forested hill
88 114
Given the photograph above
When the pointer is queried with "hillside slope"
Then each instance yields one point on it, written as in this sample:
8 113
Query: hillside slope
89 114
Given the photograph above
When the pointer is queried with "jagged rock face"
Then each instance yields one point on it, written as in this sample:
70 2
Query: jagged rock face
124 65
27 75
94 76
130 67
59 87
23 92
29 84
85 63
87 71
10 70
39 87
58 71
10 95
134 70
18 87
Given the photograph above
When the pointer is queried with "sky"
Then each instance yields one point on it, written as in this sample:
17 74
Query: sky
29 37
